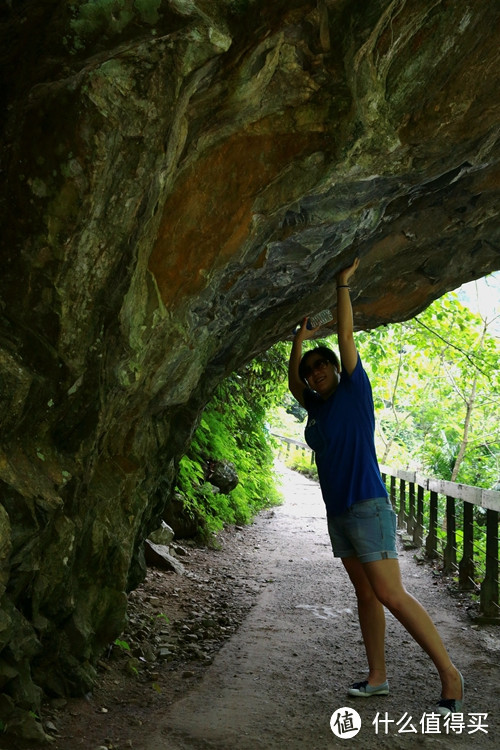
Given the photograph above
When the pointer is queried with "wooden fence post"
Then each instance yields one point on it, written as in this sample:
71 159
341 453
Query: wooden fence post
402 503
431 541
410 521
392 492
418 531
489 609
450 551
466 565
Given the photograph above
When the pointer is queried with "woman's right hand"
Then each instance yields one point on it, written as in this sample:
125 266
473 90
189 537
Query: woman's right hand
304 332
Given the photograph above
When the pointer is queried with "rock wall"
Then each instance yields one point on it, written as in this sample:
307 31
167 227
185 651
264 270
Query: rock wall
181 181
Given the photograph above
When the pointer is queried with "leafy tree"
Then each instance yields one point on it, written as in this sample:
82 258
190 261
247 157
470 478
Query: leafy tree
437 391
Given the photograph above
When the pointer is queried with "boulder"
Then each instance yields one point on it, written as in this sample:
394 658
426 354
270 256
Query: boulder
159 556
163 535
223 475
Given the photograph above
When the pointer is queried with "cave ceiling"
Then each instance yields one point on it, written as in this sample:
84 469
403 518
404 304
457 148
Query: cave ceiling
180 183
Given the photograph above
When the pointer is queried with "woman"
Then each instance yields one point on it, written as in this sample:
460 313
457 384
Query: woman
361 522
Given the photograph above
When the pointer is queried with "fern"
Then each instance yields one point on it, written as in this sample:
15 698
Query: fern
233 428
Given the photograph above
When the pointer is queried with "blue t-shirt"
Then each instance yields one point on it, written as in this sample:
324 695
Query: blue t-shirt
340 430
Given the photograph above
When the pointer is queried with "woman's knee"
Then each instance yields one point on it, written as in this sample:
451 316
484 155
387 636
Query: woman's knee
385 580
392 598
365 595
359 579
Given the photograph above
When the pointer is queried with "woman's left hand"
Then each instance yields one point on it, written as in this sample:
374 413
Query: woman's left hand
344 275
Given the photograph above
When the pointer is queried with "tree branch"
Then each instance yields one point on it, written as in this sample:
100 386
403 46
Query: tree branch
453 346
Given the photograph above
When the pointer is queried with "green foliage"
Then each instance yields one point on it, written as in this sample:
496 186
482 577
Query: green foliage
302 463
233 428
431 376
436 391
122 644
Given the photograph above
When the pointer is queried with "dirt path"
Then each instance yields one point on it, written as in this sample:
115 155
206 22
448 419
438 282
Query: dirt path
281 676
278 646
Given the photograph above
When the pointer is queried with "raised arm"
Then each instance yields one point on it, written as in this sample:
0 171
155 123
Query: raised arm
295 383
345 326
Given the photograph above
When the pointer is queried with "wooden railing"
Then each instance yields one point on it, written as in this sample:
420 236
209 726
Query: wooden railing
410 491
292 446
410 494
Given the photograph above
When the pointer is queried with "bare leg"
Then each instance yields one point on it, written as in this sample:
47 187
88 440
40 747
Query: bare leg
371 619
385 579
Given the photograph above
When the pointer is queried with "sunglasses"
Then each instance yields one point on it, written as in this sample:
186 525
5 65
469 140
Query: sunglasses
318 364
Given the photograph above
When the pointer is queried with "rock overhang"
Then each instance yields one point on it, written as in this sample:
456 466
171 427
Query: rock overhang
182 181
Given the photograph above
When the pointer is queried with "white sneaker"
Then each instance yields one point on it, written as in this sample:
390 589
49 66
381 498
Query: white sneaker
364 690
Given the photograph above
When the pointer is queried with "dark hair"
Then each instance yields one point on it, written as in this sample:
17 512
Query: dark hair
325 352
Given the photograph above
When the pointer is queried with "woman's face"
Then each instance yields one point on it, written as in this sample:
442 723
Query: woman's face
321 375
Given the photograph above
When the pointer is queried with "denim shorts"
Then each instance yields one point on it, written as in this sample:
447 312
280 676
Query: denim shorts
367 530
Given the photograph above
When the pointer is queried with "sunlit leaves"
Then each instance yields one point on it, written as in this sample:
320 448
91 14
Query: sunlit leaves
431 377
233 428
